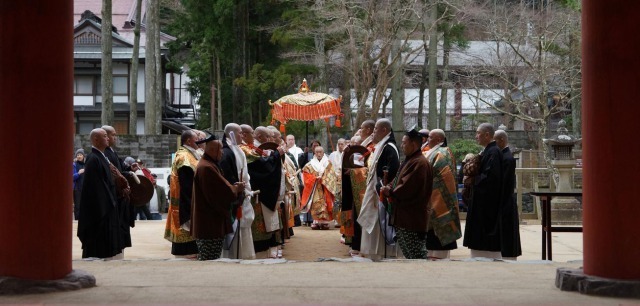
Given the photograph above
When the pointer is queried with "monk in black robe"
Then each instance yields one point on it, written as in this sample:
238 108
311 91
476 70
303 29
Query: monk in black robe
265 172
99 227
126 209
509 221
482 233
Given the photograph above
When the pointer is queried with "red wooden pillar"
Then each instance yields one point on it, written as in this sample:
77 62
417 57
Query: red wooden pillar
36 129
610 110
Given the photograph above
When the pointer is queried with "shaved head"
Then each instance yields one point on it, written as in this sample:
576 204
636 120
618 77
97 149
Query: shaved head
383 122
366 128
233 128
501 138
261 134
111 132
247 133
99 139
381 129
246 128
487 128
484 134
437 132
436 136
188 138
108 129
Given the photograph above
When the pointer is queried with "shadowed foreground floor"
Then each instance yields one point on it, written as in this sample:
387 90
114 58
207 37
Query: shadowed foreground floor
150 276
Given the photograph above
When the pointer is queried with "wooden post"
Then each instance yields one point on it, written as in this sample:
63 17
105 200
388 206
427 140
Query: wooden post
36 114
610 47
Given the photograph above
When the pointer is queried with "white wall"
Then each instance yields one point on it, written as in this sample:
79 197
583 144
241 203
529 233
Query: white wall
141 83
82 100
471 99
140 126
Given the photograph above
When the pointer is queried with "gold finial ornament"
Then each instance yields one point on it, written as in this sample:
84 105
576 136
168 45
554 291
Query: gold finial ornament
304 88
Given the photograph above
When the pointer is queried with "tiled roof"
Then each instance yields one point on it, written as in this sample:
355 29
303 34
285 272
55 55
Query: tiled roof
120 10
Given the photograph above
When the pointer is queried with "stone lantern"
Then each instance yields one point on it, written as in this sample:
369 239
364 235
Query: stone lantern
564 210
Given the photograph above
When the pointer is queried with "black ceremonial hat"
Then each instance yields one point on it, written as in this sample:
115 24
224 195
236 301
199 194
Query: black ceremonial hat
210 138
413 132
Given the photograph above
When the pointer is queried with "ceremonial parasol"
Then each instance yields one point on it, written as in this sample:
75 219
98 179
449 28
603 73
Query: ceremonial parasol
306 106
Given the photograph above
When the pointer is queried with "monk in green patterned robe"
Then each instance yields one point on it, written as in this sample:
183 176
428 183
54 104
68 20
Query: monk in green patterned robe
444 222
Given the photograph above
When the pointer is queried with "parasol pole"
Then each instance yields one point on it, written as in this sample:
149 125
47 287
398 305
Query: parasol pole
307 133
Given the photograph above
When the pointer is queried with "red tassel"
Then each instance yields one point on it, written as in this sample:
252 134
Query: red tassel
338 123
282 129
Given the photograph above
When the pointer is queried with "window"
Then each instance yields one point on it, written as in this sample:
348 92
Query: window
85 126
120 85
83 85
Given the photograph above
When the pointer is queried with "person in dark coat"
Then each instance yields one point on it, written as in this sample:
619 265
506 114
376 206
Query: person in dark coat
509 221
211 204
99 227
410 193
127 210
482 233
78 178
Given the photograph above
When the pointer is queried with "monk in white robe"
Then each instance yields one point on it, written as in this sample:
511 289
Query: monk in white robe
319 189
384 157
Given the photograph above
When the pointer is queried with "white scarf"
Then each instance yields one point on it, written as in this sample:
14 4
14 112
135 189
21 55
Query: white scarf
431 150
241 165
319 165
336 160
368 217
367 141
295 151
194 152
377 151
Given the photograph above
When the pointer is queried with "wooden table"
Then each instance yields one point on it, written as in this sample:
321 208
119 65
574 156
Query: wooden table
547 229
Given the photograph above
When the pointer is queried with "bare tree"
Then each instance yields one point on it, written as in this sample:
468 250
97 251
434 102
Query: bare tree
527 62
432 53
397 90
133 77
151 100
106 65
158 73
370 29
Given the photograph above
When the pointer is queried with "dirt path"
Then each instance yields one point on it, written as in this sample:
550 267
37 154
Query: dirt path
305 245
309 245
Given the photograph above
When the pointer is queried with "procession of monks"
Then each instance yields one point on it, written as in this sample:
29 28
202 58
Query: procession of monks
244 194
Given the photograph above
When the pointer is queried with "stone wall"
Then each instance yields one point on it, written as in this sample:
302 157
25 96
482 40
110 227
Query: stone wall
154 150
525 140
517 139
